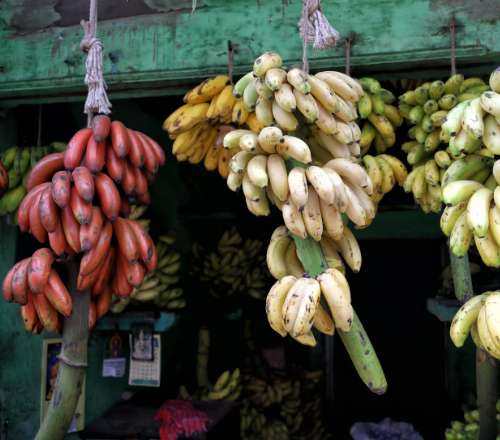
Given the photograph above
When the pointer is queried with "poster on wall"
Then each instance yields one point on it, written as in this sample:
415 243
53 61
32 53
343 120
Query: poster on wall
50 366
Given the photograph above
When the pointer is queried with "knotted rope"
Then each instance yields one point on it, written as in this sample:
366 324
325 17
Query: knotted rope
315 30
97 99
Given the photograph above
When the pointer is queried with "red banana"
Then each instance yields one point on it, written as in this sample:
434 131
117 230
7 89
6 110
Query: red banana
86 281
136 153
135 274
23 213
46 313
7 284
109 197
58 295
20 282
104 273
95 155
101 125
120 285
28 314
128 181
127 242
114 165
124 207
44 170
61 188
150 161
95 256
71 229
103 302
155 147
35 222
145 244
57 240
75 149
39 269
120 140
141 183
48 210
89 234
84 183
81 209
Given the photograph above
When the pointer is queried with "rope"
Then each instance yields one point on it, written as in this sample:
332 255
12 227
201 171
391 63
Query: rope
315 29
230 60
453 45
97 99
348 46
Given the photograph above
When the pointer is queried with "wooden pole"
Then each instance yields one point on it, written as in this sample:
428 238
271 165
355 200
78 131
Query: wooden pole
486 369
72 366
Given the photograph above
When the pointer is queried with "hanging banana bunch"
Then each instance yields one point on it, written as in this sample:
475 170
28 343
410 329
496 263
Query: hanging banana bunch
435 111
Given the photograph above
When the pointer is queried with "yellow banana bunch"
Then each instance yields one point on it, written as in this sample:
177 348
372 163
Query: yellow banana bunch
236 266
382 117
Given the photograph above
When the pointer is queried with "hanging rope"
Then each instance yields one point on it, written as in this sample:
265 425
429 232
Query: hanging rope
453 45
348 46
230 60
97 99
315 30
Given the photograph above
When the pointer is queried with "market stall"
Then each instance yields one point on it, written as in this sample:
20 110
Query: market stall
243 190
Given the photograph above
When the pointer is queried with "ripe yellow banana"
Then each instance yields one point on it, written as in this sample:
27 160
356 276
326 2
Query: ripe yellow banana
278 176
335 289
274 303
312 215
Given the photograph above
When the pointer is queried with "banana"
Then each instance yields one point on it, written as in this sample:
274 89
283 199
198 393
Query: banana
453 120
353 172
335 290
323 94
332 220
225 102
472 121
258 207
431 172
262 90
234 181
368 133
232 138
241 84
311 215
206 90
285 120
463 169
370 85
331 144
355 210
297 184
332 257
485 336
491 313
278 177
238 163
275 78
490 103
250 96
268 138
494 80
186 119
293 219
275 256
264 112
275 301
491 134
256 170
398 168
326 121
339 86
341 200
299 80
268 60
478 209
365 106
459 191
250 190
307 339
494 218
450 216
349 249
351 82
320 181
442 158
488 249
452 85
286 98
364 200
310 292
465 318
249 142
222 381
461 236
306 105
323 321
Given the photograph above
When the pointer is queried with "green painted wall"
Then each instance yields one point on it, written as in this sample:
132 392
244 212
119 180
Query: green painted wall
159 44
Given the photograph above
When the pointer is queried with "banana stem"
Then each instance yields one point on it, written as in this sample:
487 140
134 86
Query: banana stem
356 341
72 366
486 370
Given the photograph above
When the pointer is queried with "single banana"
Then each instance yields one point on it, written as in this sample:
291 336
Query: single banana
335 289
310 295
257 170
349 249
278 177
299 80
275 256
332 220
263 111
465 317
286 98
478 209
284 119
293 219
293 265
450 216
274 78
353 172
268 60
297 184
306 105
461 236
268 138
274 303
459 191
472 121
320 181
323 322
488 250
312 215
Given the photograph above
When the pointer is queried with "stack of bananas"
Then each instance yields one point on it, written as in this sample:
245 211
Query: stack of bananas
470 183
470 429
293 304
157 287
383 118
199 126
436 110
18 162
300 415
480 317
236 266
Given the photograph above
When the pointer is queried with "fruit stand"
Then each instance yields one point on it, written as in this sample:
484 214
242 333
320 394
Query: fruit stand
361 170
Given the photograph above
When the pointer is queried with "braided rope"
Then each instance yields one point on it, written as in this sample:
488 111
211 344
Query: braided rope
315 29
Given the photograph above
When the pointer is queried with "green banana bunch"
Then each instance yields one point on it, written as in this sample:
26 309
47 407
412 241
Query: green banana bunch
383 118
469 428
18 163
235 267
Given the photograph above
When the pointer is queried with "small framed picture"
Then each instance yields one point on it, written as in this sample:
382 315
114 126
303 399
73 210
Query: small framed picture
142 343
50 367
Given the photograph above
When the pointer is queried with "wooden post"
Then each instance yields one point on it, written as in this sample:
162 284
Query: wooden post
73 363
486 369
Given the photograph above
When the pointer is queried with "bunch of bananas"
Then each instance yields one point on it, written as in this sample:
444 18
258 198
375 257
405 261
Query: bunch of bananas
383 118
199 126
226 387
17 163
157 287
436 111
470 429
293 304
236 266
298 402
480 318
